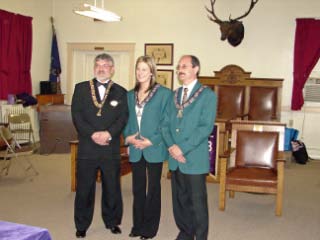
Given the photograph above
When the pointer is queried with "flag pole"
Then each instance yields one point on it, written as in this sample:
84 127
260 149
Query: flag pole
54 34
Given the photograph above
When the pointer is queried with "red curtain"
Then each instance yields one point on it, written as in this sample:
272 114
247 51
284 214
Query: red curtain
306 55
15 54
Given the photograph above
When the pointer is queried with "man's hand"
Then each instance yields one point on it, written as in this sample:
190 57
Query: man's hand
176 153
101 138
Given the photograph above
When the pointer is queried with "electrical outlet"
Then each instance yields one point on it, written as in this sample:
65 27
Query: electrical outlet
290 123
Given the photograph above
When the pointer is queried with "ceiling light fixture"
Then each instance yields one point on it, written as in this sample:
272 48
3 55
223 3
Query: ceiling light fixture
97 13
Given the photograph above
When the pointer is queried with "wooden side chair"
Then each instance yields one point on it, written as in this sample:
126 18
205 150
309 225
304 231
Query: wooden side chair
259 168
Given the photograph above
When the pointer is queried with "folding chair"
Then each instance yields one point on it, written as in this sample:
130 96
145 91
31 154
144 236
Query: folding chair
21 128
13 150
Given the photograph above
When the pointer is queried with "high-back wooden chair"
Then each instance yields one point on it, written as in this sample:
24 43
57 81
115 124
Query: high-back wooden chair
259 167
230 102
263 104
243 97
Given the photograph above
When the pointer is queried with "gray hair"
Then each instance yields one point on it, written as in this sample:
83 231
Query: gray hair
104 56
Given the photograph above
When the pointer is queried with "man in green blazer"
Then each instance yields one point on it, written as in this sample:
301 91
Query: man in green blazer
188 123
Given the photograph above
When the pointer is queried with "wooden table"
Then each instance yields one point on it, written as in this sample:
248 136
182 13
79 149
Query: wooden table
125 165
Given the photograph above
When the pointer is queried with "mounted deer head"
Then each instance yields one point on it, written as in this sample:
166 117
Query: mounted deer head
233 30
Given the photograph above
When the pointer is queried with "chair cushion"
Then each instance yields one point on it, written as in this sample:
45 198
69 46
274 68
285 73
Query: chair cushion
262 177
256 149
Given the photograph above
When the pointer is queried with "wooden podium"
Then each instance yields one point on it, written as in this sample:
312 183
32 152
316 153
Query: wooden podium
56 129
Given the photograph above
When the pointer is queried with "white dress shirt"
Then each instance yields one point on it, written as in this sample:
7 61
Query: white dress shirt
139 110
190 86
102 89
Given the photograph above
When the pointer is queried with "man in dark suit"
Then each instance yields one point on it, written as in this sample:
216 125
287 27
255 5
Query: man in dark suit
188 123
99 112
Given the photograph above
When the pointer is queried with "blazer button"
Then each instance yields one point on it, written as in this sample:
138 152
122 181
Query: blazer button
177 130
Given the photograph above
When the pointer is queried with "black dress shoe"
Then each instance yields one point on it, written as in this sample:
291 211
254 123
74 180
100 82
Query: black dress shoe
144 237
115 229
133 235
80 234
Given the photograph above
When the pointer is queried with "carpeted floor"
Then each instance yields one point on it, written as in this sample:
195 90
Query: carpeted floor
46 201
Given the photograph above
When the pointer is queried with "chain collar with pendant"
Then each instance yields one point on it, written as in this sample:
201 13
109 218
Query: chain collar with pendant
180 107
146 100
94 97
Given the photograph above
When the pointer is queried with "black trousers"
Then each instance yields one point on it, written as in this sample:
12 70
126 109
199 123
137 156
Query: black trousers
190 205
111 201
146 188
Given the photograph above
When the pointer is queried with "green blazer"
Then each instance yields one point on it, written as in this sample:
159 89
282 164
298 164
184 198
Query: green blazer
191 132
152 117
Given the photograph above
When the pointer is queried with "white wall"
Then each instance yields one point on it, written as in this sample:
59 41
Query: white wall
266 50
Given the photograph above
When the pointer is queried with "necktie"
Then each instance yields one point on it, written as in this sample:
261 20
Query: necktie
102 84
185 95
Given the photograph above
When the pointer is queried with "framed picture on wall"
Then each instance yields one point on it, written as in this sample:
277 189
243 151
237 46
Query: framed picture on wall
165 78
161 52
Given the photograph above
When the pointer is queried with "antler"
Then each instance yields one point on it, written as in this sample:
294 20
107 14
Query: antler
253 2
214 17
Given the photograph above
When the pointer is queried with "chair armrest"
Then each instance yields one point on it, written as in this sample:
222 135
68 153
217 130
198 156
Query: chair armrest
281 157
226 154
243 116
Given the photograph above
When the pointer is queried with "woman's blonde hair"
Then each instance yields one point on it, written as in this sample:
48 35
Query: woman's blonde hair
153 69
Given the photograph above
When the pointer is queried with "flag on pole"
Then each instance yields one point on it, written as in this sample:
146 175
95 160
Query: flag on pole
55 67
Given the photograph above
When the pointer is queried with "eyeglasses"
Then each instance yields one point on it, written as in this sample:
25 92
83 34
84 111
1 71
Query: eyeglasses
183 67
103 66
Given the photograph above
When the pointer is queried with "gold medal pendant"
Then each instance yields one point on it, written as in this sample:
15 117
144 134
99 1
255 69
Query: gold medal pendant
180 113
94 98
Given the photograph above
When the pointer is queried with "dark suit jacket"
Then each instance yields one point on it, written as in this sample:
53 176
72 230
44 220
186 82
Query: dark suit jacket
114 118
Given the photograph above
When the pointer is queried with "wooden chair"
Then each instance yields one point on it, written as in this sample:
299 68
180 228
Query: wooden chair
259 167
230 102
243 97
263 104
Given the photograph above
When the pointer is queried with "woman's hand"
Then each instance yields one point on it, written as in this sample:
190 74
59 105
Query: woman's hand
142 143
131 139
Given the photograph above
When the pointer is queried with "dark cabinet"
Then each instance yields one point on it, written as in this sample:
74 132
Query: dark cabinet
56 129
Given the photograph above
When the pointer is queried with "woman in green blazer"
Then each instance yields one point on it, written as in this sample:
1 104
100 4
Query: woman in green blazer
147 151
